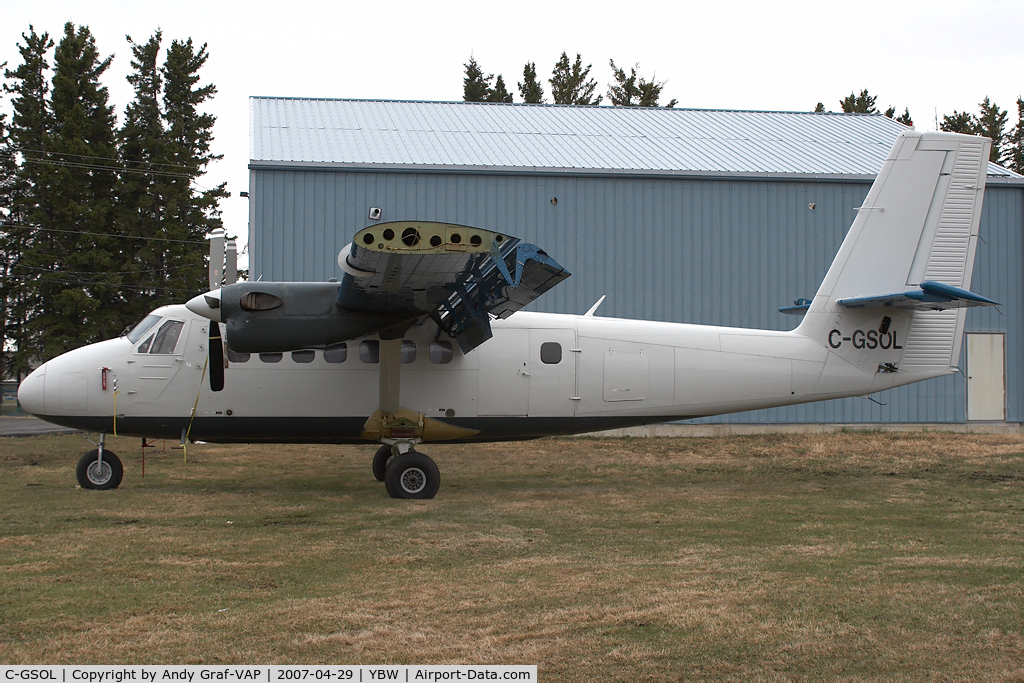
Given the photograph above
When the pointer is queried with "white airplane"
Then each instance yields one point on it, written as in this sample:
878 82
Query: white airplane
419 343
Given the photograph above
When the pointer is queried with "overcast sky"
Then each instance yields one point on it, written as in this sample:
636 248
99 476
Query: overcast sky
932 57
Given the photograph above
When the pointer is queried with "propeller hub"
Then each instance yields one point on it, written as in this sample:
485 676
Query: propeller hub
206 305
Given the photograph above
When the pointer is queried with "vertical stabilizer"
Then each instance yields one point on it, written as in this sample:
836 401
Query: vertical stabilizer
918 224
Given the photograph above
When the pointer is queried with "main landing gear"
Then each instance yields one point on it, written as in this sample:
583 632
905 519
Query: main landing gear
406 475
99 469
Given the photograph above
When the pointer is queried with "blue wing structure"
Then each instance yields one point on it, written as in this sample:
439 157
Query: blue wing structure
396 275
933 296
461 285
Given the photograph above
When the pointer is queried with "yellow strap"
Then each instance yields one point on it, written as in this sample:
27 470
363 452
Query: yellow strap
195 406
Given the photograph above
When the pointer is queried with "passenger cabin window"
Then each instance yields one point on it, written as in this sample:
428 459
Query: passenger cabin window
142 328
441 353
369 351
167 337
271 357
408 352
336 353
551 353
237 357
304 356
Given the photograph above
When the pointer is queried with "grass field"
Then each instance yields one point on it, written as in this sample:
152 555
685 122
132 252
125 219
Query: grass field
849 554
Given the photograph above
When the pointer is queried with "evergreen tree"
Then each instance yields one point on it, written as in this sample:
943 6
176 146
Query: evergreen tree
499 93
905 117
634 90
859 104
1015 142
569 83
529 88
141 186
819 108
991 123
187 214
28 196
79 282
475 86
9 249
959 122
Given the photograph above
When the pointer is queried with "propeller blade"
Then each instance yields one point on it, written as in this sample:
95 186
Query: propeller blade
216 358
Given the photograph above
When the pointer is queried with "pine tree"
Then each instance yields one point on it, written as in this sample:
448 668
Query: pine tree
141 185
80 283
569 83
959 122
187 214
859 104
819 108
634 90
28 199
1015 142
905 117
991 123
529 88
499 93
475 86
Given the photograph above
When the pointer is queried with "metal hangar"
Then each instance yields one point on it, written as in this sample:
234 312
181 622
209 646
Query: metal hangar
701 216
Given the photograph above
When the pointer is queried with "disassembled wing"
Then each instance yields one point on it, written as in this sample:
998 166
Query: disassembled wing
396 274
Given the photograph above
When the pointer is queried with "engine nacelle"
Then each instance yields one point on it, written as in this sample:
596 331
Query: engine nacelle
266 317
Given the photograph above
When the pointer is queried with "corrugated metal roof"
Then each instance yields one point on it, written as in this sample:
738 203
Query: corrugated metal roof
530 137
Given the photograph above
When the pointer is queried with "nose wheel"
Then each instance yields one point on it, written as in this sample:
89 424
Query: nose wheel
101 473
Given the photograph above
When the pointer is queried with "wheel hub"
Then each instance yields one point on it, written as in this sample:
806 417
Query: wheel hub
99 473
413 480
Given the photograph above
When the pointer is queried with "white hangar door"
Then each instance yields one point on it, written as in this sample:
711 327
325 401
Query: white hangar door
553 373
986 377
504 373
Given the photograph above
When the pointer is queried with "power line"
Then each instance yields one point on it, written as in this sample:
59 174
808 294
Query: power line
110 272
96 234
25 150
139 288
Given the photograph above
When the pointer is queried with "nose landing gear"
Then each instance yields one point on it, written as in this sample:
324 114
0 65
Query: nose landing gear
99 469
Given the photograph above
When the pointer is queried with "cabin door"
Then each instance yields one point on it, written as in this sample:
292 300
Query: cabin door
156 359
504 373
553 373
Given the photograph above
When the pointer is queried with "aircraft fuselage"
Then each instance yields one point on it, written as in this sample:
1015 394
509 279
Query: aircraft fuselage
541 374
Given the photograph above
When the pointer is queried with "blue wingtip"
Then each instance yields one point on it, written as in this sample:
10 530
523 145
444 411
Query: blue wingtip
799 307
939 289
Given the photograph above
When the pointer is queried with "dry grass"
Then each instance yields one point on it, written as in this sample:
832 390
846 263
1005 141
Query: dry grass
851 554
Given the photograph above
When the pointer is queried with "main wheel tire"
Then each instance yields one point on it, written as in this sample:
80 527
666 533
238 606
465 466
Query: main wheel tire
92 474
412 475
380 461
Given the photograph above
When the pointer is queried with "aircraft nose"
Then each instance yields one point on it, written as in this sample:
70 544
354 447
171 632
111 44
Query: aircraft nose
31 394
206 305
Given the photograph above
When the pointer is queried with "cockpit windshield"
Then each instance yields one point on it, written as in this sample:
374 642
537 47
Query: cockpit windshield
136 332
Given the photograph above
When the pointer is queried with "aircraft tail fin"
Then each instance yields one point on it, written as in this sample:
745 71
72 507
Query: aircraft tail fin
903 272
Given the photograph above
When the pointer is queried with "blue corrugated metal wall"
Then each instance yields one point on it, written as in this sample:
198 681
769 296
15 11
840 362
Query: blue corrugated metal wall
716 251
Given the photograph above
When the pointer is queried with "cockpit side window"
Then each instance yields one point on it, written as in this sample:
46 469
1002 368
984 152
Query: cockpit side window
167 337
142 328
144 346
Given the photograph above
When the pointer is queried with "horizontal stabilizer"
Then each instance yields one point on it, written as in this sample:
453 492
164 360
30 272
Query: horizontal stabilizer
799 307
933 296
